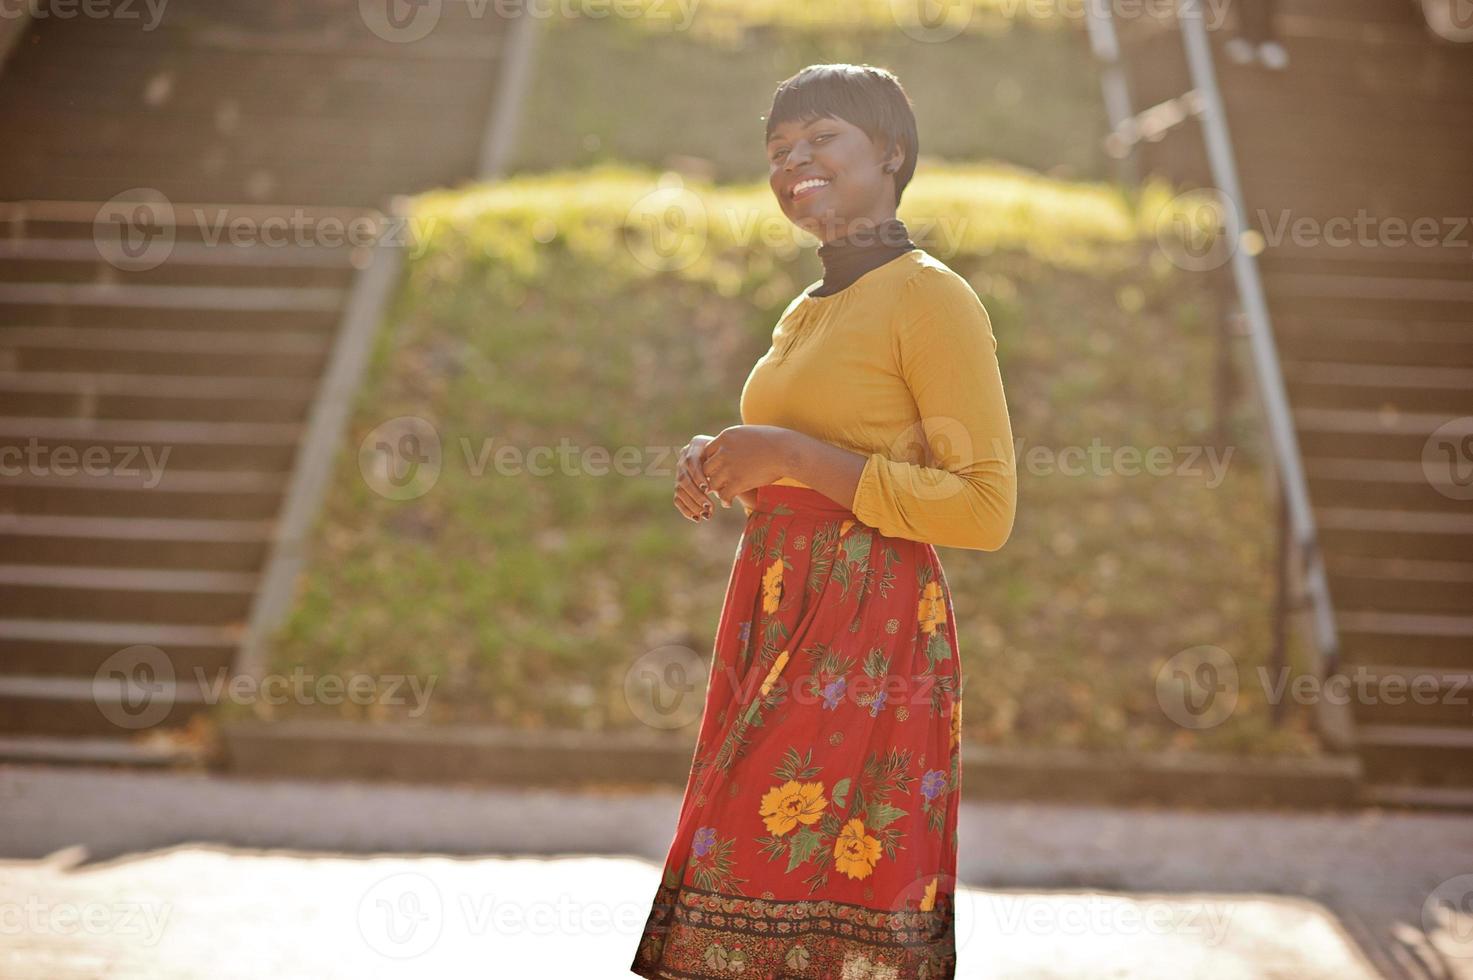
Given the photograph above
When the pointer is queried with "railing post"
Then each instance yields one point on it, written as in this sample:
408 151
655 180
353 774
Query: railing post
1100 21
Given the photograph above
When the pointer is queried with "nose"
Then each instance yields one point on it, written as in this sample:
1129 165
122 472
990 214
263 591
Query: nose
797 156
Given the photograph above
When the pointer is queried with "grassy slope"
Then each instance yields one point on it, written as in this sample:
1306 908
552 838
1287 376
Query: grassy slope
1026 95
527 320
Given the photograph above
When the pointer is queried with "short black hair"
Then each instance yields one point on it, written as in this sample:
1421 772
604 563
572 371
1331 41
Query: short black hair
869 97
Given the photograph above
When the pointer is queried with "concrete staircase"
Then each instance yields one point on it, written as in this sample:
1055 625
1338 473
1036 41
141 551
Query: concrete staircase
162 357
1365 132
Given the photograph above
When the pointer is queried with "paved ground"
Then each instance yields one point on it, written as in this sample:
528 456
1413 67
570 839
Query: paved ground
116 874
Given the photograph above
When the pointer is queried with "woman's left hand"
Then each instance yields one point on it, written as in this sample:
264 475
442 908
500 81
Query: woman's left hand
743 457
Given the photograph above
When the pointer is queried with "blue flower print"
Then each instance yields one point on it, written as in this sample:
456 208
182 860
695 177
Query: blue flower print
833 693
932 783
705 838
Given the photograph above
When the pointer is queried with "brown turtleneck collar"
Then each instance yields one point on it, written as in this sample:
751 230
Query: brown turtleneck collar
846 259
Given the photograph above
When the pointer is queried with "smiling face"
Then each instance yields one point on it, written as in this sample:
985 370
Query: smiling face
829 176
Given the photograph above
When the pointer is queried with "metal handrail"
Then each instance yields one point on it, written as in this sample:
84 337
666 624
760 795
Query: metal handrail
1282 437
1204 102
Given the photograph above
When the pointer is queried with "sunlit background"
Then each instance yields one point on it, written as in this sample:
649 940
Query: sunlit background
346 348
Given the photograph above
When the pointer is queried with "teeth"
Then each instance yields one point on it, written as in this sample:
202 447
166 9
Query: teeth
805 184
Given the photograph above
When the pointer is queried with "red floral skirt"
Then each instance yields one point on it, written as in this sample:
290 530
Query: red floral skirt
817 834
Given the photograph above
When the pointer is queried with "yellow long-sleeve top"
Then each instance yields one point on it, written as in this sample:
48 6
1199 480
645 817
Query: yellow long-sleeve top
900 365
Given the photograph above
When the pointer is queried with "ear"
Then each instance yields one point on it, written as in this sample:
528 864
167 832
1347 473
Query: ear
894 158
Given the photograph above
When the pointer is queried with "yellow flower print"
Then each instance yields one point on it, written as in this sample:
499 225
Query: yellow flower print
856 852
772 586
844 528
931 611
777 668
928 900
956 721
784 807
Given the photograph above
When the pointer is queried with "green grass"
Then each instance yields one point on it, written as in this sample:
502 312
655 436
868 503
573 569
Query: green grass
637 91
528 318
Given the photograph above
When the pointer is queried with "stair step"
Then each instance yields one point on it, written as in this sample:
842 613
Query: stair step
79 648
259 300
264 361
1407 624
1397 485
1412 697
152 542
88 689
128 579
173 341
155 444
96 705
100 272
1410 522
143 407
1416 736
1359 590
120 633
1357 338
158 385
174 493
183 253
77 592
1430 797
54 750
1375 435
1398 289
1405 638
158 318
1438 756
1377 387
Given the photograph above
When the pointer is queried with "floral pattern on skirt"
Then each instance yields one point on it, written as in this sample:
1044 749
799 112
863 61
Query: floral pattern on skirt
817 833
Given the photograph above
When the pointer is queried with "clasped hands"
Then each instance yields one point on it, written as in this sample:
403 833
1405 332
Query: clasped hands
731 463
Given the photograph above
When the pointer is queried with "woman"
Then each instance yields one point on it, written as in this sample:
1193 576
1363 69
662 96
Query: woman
817 835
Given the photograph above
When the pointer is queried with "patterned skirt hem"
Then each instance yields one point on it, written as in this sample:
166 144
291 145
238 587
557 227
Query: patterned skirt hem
695 934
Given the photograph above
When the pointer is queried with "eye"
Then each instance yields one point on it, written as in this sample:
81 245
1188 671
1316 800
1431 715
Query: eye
778 154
